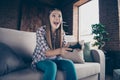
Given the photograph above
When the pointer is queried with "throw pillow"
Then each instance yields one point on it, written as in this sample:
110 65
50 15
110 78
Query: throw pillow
87 52
76 56
9 61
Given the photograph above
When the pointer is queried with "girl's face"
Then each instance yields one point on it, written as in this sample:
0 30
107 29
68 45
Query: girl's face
55 19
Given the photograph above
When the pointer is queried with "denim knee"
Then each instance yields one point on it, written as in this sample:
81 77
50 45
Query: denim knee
68 62
49 68
52 67
47 65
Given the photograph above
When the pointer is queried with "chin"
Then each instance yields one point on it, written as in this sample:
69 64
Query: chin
56 27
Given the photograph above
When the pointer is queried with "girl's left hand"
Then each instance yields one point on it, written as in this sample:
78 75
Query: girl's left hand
65 50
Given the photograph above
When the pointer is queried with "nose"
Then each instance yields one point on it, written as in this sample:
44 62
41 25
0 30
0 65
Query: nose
57 18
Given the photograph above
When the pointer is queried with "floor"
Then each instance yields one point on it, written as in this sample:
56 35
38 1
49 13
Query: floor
109 77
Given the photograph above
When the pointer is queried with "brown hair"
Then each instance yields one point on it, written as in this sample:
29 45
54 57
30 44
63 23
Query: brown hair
59 32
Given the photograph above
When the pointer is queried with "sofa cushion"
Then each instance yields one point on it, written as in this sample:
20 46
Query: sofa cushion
87 69
23 43
83 70
9 61
76 56
87 52
29 74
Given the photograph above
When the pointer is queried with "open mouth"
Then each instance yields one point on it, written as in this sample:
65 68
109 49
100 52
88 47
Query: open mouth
56 23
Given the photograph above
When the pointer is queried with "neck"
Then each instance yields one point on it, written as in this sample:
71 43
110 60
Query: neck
53 31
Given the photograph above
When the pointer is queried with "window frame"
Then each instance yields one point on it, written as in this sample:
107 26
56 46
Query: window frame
76 17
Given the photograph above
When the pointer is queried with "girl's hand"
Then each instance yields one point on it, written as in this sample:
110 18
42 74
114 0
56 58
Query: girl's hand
59 51
64 50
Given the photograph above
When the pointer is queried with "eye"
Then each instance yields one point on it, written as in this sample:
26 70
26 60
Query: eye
53 15
59 16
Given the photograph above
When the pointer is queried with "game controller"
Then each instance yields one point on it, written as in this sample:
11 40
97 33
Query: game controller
76 46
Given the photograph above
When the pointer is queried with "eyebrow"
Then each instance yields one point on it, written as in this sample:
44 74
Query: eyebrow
56 14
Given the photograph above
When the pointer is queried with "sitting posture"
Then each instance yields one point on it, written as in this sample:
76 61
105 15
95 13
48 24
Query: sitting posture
49 48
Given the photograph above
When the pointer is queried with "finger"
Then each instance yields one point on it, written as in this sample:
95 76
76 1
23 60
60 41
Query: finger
68 48
67 45
77 49
66 52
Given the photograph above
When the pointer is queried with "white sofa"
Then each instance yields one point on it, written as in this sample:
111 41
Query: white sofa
23 43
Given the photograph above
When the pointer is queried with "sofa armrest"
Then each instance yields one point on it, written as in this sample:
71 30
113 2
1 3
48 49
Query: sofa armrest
98 56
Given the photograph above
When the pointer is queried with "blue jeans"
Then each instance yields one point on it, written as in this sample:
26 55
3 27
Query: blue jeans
49 67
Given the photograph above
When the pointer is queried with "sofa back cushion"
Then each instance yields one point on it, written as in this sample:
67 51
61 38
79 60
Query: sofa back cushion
76 56
9 61
23 43
87 52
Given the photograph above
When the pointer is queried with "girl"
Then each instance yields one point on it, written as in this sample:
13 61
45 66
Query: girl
49 48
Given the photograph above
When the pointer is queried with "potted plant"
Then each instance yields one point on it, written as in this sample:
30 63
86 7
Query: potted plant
100 35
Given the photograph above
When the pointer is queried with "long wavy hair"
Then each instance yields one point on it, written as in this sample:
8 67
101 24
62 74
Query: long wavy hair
59 33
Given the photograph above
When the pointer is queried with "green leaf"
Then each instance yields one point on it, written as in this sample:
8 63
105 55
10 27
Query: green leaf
100 34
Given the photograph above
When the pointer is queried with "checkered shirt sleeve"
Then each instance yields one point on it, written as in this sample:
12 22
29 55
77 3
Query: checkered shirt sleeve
41 46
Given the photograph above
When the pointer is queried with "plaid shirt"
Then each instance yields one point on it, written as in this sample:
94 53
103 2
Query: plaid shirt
41 47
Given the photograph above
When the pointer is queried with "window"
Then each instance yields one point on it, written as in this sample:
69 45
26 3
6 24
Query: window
88 15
